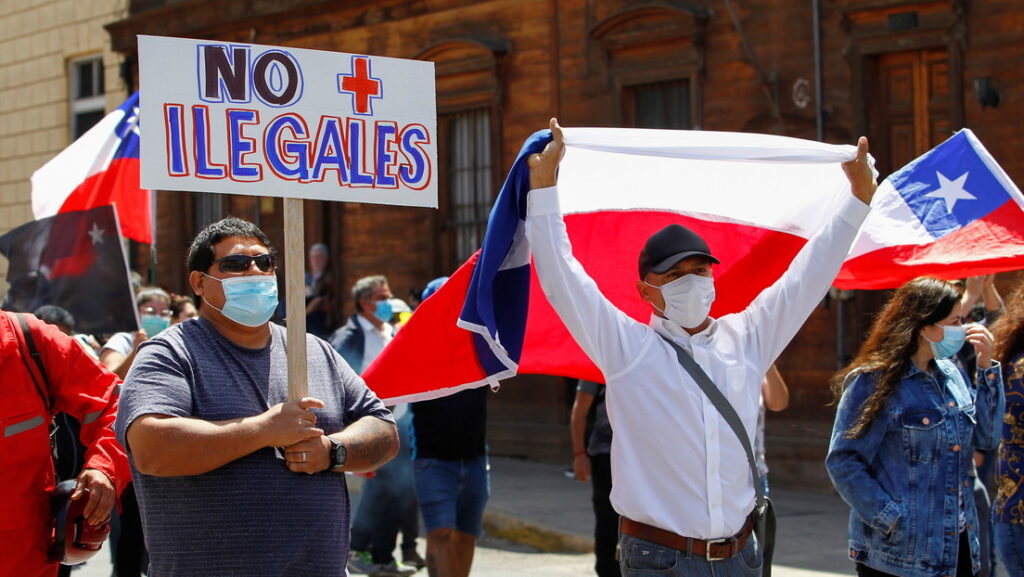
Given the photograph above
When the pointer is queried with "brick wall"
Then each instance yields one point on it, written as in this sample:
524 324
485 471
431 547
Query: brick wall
37 40
571 58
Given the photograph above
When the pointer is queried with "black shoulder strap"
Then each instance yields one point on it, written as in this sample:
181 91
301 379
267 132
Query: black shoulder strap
33 352
727 411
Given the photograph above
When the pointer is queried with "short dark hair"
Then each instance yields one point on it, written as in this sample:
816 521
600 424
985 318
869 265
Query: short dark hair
55 315
200 255
178 304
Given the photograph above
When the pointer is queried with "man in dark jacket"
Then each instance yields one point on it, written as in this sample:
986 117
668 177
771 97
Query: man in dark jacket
363 337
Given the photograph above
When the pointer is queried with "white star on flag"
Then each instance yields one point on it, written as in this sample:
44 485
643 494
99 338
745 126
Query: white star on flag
97 234
951 191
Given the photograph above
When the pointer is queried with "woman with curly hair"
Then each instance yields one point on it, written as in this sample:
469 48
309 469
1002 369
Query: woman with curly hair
906 428
1008 508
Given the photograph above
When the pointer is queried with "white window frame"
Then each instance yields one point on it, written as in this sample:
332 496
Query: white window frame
79 104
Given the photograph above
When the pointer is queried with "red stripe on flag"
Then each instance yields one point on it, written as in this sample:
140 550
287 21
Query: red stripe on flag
999 236
118 184
608 246
430 352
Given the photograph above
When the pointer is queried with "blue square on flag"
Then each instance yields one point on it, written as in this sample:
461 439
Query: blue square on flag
950 186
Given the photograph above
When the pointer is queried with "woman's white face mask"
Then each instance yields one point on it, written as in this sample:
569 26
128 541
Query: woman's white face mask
687 299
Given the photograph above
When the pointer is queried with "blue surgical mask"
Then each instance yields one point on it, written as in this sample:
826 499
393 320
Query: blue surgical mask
248 300
154 324
953 337
384 311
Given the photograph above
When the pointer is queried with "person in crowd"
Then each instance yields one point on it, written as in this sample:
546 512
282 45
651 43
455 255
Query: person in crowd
363 337
592 462
182 309
61 318
983 304
410 520
451 473
1008 506
119 351
63 377
906 428
682 482
319 292
128 544
214 443
981 301
388 499
775 398
400 313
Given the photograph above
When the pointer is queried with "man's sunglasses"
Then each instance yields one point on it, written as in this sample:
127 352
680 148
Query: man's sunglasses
242 262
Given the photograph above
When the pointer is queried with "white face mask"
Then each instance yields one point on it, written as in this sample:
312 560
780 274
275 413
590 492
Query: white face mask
687 299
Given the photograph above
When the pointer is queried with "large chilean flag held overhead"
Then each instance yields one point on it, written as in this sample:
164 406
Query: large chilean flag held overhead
755 199
100 168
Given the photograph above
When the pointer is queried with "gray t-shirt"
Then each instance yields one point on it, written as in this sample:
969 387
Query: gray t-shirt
251 517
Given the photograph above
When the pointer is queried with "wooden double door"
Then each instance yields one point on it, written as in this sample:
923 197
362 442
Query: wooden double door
909 104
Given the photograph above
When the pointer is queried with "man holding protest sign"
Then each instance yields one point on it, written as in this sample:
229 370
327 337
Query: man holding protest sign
204 417
682 483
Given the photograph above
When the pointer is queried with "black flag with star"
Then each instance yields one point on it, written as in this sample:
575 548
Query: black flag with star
74 260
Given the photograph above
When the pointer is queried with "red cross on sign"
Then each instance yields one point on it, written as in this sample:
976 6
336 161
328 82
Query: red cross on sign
363 87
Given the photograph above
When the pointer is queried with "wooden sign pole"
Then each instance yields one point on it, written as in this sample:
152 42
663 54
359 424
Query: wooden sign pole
295 296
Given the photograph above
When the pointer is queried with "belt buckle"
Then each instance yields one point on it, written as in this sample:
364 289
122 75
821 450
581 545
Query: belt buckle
707 550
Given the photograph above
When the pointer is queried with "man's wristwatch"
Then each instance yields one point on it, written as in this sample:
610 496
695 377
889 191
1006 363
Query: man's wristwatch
338 454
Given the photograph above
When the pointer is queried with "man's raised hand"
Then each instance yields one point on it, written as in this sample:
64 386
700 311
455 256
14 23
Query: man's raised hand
858 172
544 165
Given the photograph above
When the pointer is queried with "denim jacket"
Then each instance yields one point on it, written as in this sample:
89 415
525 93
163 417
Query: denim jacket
904 475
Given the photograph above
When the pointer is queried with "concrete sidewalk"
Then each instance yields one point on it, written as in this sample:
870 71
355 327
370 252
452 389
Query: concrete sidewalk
536 504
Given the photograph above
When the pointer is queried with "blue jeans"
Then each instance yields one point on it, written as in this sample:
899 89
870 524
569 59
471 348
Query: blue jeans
453 494
387 507
640 558
1010 543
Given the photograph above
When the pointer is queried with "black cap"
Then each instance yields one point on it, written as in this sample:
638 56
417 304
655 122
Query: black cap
670 245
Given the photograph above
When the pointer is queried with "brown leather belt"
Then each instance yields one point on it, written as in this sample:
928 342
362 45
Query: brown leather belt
712 549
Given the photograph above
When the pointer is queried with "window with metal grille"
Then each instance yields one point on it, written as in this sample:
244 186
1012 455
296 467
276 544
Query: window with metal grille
86 94
658 105
470 178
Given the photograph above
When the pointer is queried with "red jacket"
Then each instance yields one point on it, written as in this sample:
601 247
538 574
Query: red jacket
79 386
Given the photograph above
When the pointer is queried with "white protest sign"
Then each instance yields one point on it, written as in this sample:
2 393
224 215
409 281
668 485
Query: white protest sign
265 120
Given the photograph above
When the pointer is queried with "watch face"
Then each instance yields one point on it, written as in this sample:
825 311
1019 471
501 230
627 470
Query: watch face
339 454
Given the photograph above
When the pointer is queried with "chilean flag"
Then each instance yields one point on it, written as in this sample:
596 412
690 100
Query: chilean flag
100 168
74 260
755 199
952 213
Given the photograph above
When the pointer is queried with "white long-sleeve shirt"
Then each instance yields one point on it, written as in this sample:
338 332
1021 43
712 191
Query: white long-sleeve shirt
676 464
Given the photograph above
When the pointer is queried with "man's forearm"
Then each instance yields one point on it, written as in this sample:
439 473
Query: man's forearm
369 443
578 420
165 446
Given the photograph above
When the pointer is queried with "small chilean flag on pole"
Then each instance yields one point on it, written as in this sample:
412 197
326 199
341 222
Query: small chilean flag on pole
100 168
951 213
